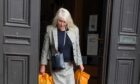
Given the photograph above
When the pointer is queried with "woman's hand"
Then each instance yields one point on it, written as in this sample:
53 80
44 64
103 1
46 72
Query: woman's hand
42 69
81 67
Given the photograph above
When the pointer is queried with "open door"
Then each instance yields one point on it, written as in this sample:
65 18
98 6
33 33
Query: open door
19 41
124 56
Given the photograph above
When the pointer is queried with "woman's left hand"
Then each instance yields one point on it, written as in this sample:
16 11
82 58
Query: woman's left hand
81 67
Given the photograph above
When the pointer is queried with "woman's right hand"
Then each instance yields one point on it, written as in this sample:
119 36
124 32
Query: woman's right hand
42 69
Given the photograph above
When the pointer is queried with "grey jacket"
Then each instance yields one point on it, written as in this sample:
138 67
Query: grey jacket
51 40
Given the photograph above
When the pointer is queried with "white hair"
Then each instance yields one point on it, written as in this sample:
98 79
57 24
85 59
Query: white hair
64 14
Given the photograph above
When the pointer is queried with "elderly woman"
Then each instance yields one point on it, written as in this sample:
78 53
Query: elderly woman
54 39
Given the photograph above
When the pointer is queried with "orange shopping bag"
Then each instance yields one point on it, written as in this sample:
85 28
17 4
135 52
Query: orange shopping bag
45 79
81 77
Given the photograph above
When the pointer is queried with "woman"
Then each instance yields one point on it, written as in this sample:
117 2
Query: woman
62 25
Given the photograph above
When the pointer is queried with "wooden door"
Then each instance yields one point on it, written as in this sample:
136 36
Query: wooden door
124 56
19 41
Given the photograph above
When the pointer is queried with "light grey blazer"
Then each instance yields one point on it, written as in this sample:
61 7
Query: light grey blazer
51 44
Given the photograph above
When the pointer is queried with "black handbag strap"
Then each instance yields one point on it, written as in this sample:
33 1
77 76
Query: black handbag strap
64 42
64 39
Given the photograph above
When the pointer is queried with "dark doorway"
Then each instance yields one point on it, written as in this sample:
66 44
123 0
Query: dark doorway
83 11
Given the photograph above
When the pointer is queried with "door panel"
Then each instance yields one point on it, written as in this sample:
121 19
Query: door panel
124 47
19 41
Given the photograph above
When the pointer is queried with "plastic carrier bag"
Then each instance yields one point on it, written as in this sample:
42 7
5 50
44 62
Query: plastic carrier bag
81 77
45 79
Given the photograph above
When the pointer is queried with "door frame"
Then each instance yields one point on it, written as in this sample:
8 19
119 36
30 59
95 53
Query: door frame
107 10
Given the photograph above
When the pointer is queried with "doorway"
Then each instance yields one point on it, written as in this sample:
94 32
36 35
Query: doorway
90 17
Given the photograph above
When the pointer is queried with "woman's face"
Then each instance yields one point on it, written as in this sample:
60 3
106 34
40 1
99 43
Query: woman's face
61 23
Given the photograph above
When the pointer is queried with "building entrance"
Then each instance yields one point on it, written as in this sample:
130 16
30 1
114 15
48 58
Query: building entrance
89 16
